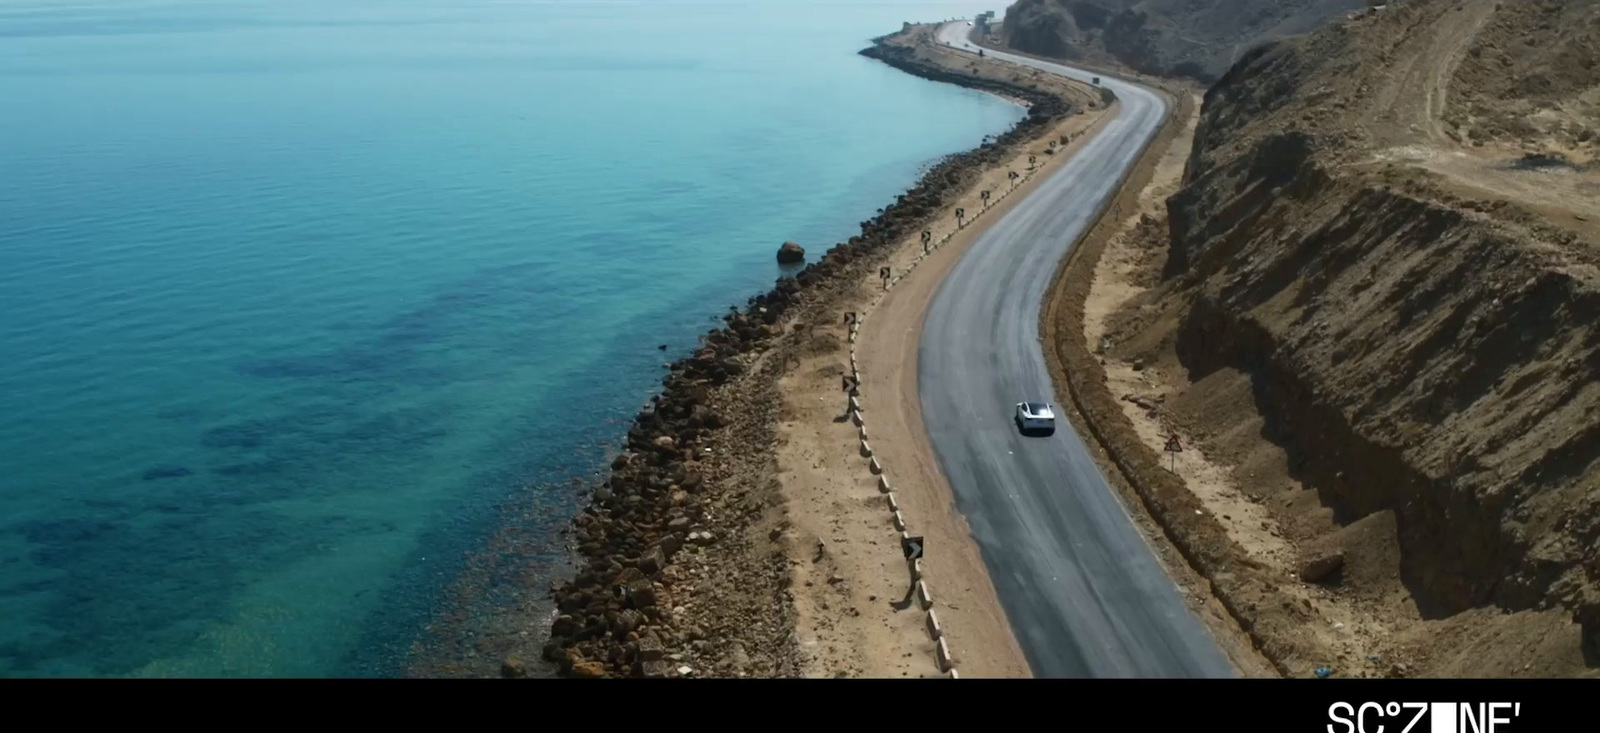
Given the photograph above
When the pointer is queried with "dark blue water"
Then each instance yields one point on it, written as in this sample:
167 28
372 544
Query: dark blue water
298 298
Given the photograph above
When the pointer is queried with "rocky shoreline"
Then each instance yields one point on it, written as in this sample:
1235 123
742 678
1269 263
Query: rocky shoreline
681 566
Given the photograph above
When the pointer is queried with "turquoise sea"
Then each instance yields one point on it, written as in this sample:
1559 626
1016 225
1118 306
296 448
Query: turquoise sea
303 301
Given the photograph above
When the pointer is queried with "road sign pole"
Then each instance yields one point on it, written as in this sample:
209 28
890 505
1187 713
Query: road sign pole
1173 448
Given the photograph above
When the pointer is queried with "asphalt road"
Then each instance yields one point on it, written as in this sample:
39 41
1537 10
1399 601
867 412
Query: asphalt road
1083 591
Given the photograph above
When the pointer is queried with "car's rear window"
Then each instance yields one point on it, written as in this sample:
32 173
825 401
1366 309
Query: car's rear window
1036 407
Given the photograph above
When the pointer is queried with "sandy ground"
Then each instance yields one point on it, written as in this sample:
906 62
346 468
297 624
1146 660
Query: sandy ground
852 586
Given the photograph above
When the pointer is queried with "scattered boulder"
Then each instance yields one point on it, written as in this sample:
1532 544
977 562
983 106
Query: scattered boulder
513 668
589 670
652 561
706 417
553 649
1588 618
670 544
642 592
1146 403
791 254
651 649
1319 568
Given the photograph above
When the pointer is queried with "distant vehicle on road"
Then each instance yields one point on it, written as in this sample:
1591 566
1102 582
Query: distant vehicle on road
1036 417
969 24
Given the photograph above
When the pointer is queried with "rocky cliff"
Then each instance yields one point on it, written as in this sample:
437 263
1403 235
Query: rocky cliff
1193 38
1418 314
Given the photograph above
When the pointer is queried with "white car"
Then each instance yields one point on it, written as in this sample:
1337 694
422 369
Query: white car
1036 416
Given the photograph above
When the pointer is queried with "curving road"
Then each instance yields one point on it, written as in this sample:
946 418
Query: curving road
1084 593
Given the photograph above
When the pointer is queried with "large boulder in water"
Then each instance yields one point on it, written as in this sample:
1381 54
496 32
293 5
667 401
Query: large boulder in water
791 253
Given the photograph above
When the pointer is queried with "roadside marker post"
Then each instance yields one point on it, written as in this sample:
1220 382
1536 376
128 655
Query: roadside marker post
1173 448
912 547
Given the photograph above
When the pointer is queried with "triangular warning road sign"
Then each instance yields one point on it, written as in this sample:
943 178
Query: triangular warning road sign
1172 444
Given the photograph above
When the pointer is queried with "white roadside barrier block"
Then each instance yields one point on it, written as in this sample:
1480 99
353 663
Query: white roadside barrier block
894 506
924 597
883 484
855 417
946 662
877 468
935 632
916 568
953 674
899 522
855 404
866 450
863 432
